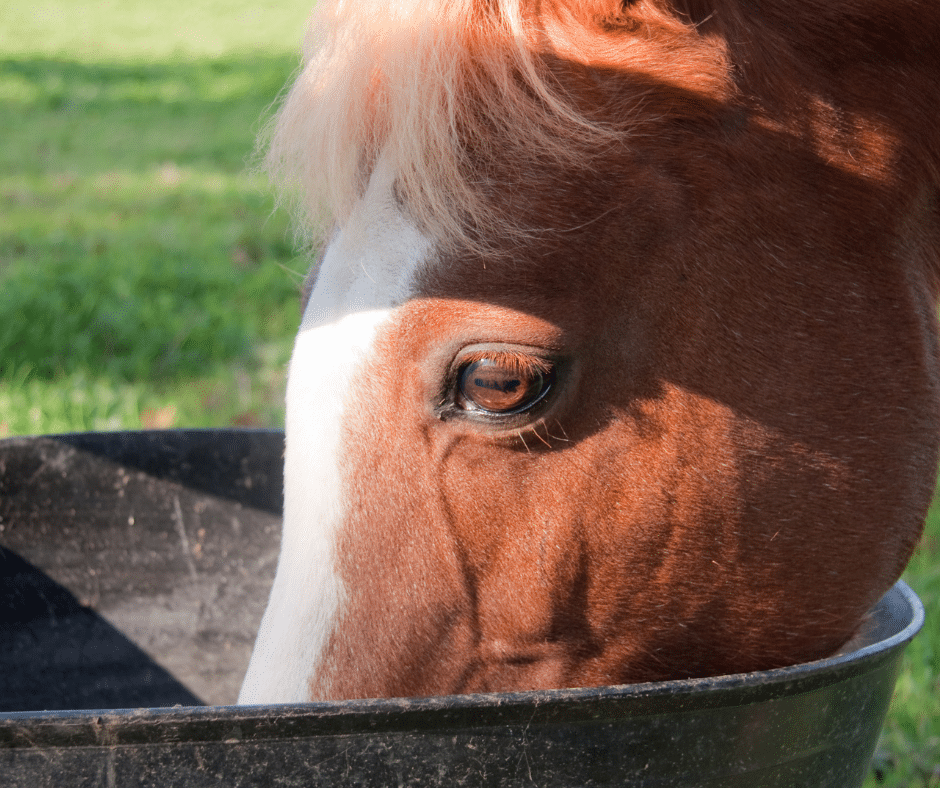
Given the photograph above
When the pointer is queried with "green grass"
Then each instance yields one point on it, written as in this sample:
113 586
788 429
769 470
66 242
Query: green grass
145 279
908 755
159 31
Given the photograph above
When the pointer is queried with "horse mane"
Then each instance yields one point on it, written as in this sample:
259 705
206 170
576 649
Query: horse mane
444 89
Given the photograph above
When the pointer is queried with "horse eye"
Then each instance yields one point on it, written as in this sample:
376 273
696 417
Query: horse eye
503 386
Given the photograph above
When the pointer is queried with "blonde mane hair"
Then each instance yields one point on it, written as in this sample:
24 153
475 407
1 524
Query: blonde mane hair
439 88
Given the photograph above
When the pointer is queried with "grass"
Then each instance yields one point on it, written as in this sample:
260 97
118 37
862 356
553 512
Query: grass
908 755
145 279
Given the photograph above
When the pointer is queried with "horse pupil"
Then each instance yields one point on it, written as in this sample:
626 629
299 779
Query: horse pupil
509 385
488 385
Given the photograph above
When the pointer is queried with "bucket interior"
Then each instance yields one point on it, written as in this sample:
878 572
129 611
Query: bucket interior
136 566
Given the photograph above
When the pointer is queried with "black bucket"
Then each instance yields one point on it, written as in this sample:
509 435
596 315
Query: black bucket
134 570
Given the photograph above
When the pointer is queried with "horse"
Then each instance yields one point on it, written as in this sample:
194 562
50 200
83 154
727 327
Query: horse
620 360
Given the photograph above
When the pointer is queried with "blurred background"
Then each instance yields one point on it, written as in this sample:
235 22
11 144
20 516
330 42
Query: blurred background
146 280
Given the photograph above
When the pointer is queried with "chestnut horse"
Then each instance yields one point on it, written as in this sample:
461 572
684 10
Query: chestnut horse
621 362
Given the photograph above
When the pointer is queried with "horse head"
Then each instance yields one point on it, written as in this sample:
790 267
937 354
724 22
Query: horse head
621 362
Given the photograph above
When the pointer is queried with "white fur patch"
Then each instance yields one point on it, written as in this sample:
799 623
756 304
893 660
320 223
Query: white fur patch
367 271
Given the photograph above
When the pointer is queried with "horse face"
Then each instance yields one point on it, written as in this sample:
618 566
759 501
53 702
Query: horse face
585 463
690 431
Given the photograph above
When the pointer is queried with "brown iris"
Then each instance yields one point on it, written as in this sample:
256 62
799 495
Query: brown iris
503 383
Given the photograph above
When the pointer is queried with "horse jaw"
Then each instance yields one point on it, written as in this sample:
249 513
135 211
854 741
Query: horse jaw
367 271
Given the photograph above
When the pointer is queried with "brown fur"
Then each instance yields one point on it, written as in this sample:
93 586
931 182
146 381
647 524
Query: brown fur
742 282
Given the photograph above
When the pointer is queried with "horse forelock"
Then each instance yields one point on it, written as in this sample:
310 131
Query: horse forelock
446 91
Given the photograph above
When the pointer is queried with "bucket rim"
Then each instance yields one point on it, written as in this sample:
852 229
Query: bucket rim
84 727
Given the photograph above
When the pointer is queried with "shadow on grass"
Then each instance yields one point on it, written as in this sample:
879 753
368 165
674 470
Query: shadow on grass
57 83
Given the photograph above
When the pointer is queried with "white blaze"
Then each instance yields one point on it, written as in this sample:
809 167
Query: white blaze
367 271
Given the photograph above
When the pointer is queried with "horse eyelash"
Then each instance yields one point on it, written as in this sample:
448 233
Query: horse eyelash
516 361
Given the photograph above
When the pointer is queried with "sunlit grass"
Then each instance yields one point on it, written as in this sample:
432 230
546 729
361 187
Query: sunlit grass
247 393
123 30
145 278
